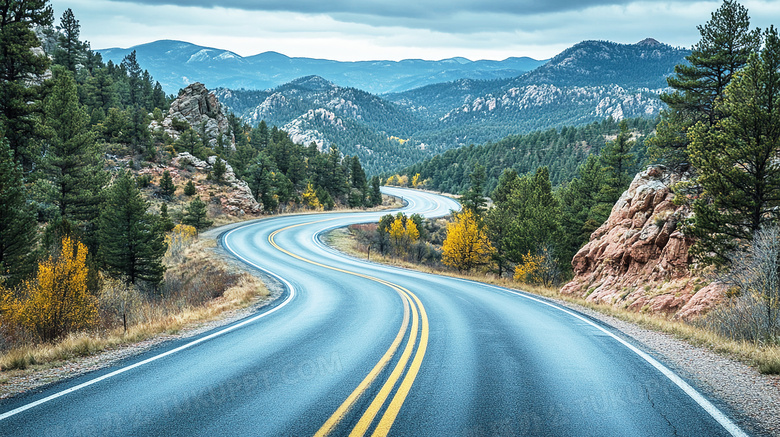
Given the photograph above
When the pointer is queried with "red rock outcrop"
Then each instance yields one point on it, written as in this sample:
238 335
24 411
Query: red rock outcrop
638 258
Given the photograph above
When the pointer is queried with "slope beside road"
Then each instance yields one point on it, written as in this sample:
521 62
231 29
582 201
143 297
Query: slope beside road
354 348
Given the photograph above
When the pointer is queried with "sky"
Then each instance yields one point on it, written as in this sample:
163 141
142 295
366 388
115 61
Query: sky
359 30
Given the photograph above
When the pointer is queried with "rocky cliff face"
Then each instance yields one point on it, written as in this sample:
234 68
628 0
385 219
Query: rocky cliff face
200 108
638 259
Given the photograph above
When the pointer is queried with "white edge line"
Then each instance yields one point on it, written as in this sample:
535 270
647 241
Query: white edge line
708 406
172 351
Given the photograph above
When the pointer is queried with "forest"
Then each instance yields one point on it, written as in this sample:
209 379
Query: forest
79 217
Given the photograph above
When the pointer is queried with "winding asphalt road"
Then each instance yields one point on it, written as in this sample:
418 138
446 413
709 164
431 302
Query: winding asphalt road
354 348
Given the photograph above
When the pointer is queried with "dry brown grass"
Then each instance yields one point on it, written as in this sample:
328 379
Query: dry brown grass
766 358
208 288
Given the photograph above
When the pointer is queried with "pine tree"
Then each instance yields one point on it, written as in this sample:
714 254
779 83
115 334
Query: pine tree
725 45
618 166
737 160
72 163
218 170
535 216
196 215
166 184
17 223
375 196
132 240
19 62
71 51
580 215
473 199
166 223
189 188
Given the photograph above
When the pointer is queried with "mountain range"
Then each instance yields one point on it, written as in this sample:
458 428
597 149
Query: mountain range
176 64
588 82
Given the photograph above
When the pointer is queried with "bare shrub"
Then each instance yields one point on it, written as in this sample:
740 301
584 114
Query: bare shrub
752 314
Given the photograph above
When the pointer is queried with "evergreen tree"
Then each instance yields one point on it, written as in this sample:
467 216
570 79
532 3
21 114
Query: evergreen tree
196 215
70 51
618 166
218 170
737 160
725 45
473 199
188 142
166 184
535 216
578 200
135 87
17 223
72 162
375 196
166 223
19 62
132 240
189 189
261 182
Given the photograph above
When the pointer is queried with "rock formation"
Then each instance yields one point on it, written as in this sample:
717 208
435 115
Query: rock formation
233 194
202 111
638 258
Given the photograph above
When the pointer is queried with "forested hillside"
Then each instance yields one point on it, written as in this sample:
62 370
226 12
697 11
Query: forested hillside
561 151
95 184
587 83
312 109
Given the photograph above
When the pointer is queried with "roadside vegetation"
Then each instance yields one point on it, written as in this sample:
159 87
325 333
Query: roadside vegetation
196 287
765 357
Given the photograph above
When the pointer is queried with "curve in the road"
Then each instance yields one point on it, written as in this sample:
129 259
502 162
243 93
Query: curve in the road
355 348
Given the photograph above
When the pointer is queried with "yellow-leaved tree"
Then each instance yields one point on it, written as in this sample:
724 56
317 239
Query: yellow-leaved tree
416 180
56 301
397 232
540 268
412 233
310 197
466 246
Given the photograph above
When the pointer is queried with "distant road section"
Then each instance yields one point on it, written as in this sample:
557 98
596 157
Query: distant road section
354 348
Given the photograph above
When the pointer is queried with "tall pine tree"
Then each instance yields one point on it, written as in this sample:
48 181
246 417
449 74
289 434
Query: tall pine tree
737 159
17 223
72 161
132 240
725 45
19 62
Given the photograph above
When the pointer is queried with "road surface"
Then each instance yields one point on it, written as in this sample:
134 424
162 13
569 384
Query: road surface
354 348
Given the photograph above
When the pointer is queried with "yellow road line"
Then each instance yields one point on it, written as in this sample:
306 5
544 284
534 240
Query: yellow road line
372 410
344 408
410 300
383 428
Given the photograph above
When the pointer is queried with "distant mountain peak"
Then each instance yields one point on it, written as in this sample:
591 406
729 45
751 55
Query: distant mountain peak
650 42
313 82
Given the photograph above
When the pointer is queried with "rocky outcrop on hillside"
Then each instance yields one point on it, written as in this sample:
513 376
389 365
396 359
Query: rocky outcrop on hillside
202 111
232 195
638 259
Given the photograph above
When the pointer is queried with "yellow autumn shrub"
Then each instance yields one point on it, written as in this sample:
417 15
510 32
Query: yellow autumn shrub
56 300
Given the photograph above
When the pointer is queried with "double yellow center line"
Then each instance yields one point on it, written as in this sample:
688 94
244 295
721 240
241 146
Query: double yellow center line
414 312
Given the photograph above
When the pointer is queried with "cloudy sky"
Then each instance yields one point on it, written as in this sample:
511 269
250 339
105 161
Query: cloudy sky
351 30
